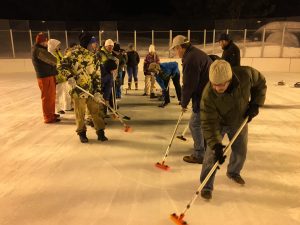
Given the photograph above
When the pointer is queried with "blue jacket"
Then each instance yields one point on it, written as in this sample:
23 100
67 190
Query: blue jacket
169 69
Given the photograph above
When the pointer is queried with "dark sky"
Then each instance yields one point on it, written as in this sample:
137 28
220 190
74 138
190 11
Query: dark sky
151 9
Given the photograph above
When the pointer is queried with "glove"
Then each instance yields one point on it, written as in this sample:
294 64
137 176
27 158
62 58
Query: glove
97 97
72 82
219 154
252 111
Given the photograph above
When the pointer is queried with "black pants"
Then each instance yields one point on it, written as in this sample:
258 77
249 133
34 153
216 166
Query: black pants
176 83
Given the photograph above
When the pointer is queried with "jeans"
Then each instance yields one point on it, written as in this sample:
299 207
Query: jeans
132 71
197 135
237 157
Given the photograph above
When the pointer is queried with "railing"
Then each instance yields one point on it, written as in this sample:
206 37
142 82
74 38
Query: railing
265 43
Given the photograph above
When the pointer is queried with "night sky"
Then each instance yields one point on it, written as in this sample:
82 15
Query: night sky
128 9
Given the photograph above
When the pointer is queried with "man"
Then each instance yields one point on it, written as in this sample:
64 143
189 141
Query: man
230 97
133 60
163 73
195 64
45 67
231 52
82 68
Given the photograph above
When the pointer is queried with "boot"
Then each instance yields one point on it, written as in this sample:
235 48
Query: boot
101 135
82 137
152 95
136 85
129 86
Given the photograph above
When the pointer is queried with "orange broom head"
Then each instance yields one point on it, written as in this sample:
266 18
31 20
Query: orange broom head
178 219
127 128
162 166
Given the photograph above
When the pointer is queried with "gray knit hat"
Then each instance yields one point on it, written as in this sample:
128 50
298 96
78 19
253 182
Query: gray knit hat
220 72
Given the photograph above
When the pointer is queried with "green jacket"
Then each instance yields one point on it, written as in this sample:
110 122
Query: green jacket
83 65
228 109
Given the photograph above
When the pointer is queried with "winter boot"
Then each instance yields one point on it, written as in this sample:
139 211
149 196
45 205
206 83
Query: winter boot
82 137
152 95
136 86
206 194
129 86
101 135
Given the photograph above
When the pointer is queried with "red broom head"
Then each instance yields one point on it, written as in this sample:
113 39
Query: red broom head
162 166
127 128
178 219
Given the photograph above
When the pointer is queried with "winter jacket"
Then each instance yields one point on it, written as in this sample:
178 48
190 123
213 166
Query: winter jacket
106 83
133 58
248 86
104 55
169 69
53 45
44 63
150 58
231 54
195 69
84 66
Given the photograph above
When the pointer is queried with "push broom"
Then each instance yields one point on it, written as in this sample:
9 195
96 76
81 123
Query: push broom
162 164
126 127
179 219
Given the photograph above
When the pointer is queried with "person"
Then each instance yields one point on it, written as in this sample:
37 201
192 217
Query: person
231 52
82 68
195 65
232 95
63 98
151 57
133 60
124 54
122 63
45 67
163 73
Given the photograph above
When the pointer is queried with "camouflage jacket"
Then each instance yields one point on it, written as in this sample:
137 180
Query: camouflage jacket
83 65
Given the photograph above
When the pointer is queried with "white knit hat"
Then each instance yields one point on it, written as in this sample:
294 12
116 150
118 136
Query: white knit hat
151 48
220 72
109 42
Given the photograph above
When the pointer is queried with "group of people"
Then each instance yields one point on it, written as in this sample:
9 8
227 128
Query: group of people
223 93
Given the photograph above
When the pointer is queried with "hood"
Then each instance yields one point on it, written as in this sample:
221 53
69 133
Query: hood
52 45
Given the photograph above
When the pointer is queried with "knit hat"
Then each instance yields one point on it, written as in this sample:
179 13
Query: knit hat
220 72
109 42
93 40
225 37
154 67
116 47
151 48
41 37
85 38
179 40
110 65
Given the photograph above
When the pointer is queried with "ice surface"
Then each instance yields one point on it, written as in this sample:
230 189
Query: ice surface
49 178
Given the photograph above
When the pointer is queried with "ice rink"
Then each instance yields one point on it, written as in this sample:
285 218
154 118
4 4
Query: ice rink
49 178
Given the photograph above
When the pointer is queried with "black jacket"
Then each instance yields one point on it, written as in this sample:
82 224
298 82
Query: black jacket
231 54
133 58
195 64
44 62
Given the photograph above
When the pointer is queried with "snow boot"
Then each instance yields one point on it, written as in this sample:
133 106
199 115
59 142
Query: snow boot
152 95
101 135
129 86
136 86
82 137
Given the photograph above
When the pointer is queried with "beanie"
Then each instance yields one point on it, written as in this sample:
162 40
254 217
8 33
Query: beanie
116 47
220 72
109 42
41 37
85 38
93 40
151 48
110 65
225 37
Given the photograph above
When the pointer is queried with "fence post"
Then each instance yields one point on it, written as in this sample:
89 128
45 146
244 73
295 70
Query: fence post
189 35
117 33
66 36
30 36
170 43
204 39
263 43
12 43
282 41
152 37
135 40
100 37
227 31
214 38
245 36
49 34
